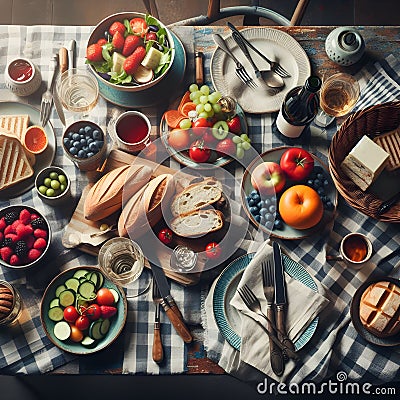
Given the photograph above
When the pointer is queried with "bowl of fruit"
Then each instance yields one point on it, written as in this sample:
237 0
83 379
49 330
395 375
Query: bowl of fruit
53 185
288 193
83 312
129 52
25 237
205 129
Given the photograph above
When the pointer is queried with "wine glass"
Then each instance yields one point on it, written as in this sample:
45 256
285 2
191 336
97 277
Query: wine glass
338 95
78 91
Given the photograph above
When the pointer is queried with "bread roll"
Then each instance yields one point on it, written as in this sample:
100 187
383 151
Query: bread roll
145 207
6 301
380 309
196 196
197 223
105 197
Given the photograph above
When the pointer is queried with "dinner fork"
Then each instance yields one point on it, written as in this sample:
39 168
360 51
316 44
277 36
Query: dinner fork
275 66
277 362
47 97
240 71
158 352
253 304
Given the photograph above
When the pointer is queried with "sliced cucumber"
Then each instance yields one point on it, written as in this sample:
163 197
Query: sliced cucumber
56 313
152 58
88 341
62 330
54 303
72 283
117 62
67 298
87 290
92 276
94 330
115 294
105 326
80 273
100 281
60 289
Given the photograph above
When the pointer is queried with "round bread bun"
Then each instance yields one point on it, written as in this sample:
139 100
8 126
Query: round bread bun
380 309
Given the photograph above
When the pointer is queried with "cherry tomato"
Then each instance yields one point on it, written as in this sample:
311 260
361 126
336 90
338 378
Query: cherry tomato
71 314
138 26
76 334
151 36
297 163
165 236
213 250
105 297
202 123
93 312
198 152
82 322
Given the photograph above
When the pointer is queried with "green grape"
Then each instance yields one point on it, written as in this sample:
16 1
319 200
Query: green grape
246 145
200 108
47 182
203 99
216 107
236 139
207 107
185 124
203 115
239 145
239 152
50 192
193 88
195 95
63 187
53 175
210 113
196 101
55 184
43 189
214 97
62 179
244 137
218 95
205 90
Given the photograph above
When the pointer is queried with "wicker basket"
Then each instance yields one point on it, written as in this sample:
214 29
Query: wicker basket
376 119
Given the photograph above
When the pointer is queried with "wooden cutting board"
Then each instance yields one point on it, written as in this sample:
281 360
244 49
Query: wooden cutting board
80 229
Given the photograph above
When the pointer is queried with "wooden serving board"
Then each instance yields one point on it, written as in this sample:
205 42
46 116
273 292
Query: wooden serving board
79 229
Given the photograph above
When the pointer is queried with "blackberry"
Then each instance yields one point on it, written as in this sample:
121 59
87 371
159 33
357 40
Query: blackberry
21 249
7 242
10 217
39 223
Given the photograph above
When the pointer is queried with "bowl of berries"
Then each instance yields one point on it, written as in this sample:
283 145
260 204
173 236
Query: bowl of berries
129 53
25 237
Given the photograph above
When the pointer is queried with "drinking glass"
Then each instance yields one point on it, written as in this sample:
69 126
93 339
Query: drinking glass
338 95
78 91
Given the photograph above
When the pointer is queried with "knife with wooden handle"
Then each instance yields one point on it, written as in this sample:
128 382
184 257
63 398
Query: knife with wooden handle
56 99
63 59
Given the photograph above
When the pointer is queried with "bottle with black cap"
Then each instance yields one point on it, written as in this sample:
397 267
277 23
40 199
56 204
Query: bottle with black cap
299 108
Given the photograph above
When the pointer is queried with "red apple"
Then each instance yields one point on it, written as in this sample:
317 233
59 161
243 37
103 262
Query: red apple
268 178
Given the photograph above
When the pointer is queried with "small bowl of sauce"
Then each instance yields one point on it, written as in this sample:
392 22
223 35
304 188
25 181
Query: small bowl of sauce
22 77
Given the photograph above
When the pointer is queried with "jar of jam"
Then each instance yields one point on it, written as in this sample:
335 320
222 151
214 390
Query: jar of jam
183 259
10 304
22 77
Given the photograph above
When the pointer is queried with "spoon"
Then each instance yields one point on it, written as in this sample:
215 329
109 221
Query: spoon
272 79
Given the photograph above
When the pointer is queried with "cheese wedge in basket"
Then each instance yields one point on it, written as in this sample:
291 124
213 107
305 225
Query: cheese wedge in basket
14 164
17 124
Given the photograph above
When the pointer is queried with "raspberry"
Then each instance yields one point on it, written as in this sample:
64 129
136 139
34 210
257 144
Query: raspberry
34 254
23 231
3 224
30 240
11 237
21 249
40 244
9 229
10 217
15 224
6 253
25 216
34 216
39 222
40 233
15 260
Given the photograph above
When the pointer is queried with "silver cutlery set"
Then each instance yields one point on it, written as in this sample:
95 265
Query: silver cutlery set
281 347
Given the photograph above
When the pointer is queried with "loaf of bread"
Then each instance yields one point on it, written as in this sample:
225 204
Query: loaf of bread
6 301
197 223
380 309
105 196
145 208
196 196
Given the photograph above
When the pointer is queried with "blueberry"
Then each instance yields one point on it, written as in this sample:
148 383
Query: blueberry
153 28
73 150
81 131
262 220
78 145
90 140
96 134
254 210
267 202
272 200
310 182
253 192
278 224
85 149
75 136
251 202
320 176
107 36
269 224
67 142
90 154
325 182
99 143
261 204
272 208
70 135
263 211
317 183
93 146
83 142
268 217
321 191
88 129
256 197
257 217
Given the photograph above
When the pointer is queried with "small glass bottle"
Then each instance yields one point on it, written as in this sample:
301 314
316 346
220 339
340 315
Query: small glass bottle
299 108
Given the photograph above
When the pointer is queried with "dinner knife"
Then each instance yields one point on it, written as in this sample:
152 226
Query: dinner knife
169 305
386 205
280 297
62 62
71 53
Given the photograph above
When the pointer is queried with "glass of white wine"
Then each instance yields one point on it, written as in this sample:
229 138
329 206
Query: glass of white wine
78 91
338 95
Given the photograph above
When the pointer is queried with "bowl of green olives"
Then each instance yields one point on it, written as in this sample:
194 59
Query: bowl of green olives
53 185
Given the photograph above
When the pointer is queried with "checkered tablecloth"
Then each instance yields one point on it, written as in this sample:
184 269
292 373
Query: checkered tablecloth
26 349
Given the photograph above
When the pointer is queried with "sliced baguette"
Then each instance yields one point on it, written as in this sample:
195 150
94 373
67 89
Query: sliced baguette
197 223
17 124
105 197
196 196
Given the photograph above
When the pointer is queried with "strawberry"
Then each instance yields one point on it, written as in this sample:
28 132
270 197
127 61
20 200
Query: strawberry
151 36
234 125
107 311
102 42
25 216
6 253
15 260
131 43
30 240
23 231
40 233
132 62
118 41
39 244
34 254
3 224
94 52
117 27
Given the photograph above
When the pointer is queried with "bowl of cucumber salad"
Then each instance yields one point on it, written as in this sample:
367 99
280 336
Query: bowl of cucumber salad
82 312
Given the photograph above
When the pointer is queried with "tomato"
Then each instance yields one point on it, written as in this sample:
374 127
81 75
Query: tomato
297 163
213 250
201 126
138 26
93 312
234 124
165 236
71 314
76 334
82 322
105 297
179 139
210 139
226 146
198 152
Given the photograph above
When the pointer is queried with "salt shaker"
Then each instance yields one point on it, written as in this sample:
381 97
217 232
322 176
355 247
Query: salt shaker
345 46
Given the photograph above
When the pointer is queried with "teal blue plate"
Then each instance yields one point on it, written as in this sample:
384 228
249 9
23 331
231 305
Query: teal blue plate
117 321
228 318
159 93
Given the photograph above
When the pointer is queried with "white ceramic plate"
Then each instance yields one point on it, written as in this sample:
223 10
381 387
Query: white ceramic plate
228 318
277 46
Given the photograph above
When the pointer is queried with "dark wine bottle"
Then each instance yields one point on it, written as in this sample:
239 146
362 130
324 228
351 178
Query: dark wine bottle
299 108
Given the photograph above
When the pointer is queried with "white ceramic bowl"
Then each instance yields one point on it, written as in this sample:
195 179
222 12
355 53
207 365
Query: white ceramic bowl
54 200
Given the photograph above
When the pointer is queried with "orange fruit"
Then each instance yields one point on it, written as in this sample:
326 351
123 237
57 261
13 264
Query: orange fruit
173 118
301 207
76 334
179 139
185 99
35 139
189 106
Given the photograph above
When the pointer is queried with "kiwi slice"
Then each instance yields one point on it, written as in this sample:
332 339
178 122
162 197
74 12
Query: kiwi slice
220 130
